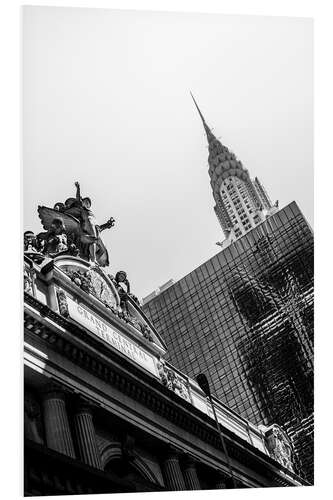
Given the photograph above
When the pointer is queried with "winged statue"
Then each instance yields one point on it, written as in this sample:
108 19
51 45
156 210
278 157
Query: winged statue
76 222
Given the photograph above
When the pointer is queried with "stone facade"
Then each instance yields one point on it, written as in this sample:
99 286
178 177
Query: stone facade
104 411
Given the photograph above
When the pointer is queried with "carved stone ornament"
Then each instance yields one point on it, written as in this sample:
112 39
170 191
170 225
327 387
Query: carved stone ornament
146 332
131 316
30 242
28 279
123 287
62 301
172 380
92 281
31 247
279 446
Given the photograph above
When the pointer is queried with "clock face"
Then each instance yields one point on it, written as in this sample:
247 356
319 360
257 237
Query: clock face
93 282
102 289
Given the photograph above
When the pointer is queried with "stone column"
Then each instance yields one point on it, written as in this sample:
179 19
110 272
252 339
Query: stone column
220 482
172 473
190 474
85 434
57 430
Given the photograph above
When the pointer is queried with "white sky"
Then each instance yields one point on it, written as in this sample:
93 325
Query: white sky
106 101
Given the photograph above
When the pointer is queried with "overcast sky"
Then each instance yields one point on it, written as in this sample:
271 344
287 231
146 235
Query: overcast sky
106 102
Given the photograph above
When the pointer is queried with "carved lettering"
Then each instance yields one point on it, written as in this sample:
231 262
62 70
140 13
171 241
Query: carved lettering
97 326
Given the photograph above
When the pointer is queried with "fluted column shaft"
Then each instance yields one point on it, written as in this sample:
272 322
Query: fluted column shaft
57 430
86 436
190 475
172 473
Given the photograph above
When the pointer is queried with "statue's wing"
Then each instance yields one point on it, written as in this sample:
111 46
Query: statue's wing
47 215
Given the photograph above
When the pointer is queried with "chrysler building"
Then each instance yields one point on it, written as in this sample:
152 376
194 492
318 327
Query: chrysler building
241 203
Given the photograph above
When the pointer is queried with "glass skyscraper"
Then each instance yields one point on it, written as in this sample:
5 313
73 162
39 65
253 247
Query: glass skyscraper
245 317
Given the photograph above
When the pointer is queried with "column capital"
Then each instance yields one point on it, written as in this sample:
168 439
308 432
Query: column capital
54 389
172 472
188 461
221 480
190 472
172 453
83 405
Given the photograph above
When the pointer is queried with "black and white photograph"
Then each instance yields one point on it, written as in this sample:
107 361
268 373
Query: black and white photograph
168 251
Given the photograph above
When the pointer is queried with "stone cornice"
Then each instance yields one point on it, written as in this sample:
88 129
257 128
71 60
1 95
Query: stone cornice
132 381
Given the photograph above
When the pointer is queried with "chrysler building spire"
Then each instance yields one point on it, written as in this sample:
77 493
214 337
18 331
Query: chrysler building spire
210 135
241 203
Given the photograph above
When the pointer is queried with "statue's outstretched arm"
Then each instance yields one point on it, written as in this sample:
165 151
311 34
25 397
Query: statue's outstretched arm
78 193
108 224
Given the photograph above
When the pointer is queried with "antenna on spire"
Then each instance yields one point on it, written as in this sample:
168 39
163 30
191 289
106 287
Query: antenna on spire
210 135
196 105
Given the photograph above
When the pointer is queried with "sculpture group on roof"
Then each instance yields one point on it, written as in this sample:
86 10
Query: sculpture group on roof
70 228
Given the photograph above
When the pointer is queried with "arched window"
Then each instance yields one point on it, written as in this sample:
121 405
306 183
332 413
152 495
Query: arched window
132 469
